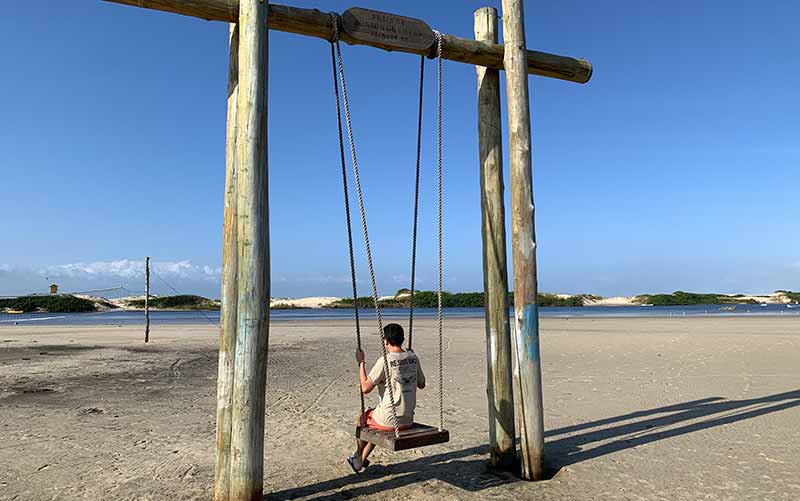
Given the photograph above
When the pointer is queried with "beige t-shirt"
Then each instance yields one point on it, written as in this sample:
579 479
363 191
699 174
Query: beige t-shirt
406 375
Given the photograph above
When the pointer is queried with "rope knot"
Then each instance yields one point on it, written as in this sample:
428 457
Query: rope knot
438 41
334 27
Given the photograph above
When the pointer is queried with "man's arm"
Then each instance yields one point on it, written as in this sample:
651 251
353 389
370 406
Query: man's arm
366 385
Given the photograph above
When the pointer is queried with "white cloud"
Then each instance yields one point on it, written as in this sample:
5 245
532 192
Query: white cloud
127 269
190 278
184 276
401 279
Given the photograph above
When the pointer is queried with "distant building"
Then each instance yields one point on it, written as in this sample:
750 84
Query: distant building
53 289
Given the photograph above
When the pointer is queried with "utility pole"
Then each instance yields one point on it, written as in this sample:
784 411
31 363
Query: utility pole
147 299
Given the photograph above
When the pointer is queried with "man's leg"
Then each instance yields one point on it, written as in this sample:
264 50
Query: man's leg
366 450
361 447
355 459
360 444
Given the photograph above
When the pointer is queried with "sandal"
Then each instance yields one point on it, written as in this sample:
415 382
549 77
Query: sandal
351 460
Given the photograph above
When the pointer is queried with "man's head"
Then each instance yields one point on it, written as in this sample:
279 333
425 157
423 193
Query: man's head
393 335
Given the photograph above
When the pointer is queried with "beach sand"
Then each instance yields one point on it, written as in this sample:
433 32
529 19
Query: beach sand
668 408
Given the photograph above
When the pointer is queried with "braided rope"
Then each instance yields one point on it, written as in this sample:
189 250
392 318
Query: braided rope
416 207
362 212
346 202
439 223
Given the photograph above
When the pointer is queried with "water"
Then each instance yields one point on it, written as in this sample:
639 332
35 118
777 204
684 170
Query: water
212 317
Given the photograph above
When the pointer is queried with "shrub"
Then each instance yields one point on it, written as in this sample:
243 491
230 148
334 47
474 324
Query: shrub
180 302
52 304
681 298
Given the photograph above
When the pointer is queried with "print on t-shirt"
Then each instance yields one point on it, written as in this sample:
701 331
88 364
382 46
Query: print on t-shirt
406 376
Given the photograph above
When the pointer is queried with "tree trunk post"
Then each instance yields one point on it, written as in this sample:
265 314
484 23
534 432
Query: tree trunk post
499 387
227 334
523 241
252 333
147 299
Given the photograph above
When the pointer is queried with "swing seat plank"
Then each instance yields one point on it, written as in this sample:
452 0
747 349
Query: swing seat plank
419 435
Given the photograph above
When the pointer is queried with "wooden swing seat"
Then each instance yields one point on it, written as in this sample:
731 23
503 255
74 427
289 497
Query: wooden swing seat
419 435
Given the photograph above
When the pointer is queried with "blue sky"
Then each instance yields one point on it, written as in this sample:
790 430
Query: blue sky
676 167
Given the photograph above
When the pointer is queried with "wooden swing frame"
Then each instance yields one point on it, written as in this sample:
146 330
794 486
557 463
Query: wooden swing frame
244 333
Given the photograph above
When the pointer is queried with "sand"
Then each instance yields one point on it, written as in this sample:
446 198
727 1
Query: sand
669 408
612 301
304 302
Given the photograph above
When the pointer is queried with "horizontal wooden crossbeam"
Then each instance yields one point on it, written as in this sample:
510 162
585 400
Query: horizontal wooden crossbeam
314 23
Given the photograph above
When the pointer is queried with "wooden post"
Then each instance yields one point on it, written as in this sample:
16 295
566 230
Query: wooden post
227 332
523 242
147 299
499 388
252 333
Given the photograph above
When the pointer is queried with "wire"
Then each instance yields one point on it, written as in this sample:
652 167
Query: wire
212 322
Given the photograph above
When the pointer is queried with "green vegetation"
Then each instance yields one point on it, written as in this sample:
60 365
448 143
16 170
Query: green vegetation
553 300
49 304
181 302
429 299
681 298
794 296
366 302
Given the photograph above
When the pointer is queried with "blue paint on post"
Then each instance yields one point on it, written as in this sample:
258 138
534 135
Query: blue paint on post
530 330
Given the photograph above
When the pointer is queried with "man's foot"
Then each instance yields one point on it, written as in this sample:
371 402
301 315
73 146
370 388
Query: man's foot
354 461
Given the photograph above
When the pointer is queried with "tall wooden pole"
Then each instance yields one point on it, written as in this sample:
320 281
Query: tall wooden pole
523 242
252 334
147 299
499 388
227 333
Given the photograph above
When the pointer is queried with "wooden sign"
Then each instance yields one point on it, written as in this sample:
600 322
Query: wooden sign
374 27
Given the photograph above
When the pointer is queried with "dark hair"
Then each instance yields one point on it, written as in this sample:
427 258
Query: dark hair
393 334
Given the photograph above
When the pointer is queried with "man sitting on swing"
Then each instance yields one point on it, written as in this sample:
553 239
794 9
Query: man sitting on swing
405 375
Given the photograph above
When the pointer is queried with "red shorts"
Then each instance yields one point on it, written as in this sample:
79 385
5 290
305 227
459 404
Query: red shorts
371 423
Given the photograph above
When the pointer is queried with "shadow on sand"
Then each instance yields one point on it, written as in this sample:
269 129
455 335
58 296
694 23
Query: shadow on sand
468 469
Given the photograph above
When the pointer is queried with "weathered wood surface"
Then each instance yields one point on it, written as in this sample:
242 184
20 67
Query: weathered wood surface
419 435
229 300
372 26
252 333
499 386
314 23
147 299
523 241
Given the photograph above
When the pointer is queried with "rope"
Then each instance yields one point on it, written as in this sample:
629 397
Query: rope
416 207
439 214
363 215
346 200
